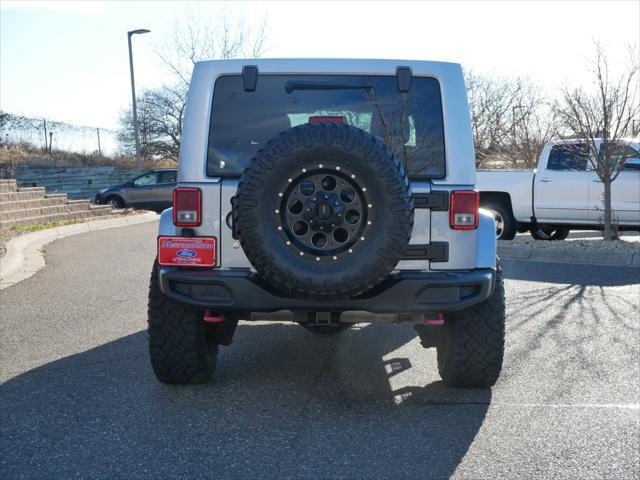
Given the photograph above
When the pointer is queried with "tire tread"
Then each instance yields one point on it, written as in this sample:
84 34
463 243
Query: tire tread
471 351
177 339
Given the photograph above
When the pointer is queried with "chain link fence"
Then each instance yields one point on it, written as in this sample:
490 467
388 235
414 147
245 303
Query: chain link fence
50 135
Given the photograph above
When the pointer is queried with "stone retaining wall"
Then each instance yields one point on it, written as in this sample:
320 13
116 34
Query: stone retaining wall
75 182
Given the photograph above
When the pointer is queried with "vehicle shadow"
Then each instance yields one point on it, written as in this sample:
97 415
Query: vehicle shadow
572 274
283 404
580 329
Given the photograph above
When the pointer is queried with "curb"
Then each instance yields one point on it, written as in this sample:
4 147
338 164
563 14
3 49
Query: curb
616 259
24 256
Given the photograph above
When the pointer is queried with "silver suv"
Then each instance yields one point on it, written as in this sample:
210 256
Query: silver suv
327 193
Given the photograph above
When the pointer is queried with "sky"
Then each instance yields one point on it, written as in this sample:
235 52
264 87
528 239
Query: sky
68 61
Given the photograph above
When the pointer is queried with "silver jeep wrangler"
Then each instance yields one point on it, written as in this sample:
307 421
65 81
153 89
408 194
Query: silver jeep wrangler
327 193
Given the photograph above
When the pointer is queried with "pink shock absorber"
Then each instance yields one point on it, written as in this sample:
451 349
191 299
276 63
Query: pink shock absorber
212 317
438 321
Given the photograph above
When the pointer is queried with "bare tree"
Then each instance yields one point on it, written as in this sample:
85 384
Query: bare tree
533 124
491 102
601 117
126 133
510 120
198 38
160 115
161 111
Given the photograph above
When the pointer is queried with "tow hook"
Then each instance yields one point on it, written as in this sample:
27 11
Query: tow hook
430 330
436 321
212 317
220 327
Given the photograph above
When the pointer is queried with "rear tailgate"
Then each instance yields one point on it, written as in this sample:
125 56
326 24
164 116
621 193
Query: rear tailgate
232 253
430 229
433 240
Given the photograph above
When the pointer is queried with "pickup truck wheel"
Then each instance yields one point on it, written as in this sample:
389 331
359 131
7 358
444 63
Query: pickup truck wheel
324 211
505 223
183 348
549 233
471 346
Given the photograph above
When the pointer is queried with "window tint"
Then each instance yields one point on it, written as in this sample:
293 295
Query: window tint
569 158
150 178
632 164
623 153
410 124
168 176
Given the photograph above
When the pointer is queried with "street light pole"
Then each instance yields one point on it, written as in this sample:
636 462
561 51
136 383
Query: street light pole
133 98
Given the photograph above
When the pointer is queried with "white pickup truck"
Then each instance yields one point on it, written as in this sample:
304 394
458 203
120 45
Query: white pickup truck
562 194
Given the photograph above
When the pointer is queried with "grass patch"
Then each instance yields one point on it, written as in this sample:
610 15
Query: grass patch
40 226
12 156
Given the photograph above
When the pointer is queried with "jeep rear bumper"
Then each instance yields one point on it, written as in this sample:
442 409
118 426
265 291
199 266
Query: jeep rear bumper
242 291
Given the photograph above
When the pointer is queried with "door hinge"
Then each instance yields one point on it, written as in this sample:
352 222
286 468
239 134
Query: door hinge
434 252
231 219
436 201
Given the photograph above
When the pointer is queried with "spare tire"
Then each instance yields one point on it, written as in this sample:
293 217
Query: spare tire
324 211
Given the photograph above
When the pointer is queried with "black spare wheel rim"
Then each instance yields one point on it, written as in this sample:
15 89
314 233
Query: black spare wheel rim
324 211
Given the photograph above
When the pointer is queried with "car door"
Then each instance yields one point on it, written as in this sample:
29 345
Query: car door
625 192
163 194
140 193
561 187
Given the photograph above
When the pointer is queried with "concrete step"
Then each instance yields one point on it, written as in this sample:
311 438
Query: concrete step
38 211
21 195
34 172
8 185
100 210
48 201
32 189
94 212
68 177
42 219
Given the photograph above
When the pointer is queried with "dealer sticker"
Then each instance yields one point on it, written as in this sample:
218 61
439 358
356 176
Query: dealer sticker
187 251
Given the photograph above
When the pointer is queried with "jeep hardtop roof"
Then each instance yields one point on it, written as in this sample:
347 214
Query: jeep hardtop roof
459 151
334 66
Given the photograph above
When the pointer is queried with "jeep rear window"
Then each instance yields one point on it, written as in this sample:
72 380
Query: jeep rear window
410 124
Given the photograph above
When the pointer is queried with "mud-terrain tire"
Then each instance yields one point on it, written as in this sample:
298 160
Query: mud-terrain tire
298 161
181 345
471 346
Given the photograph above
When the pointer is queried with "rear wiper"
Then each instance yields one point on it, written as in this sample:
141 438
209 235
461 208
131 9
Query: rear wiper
310 85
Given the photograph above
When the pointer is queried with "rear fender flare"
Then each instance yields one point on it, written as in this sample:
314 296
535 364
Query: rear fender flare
486 243
166 226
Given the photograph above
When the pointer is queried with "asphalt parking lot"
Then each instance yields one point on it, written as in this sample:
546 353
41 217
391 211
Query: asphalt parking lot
79 399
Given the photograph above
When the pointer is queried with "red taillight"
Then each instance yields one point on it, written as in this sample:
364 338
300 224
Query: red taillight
463 213
187 207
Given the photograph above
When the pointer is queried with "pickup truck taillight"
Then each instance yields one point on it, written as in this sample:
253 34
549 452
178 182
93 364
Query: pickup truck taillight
464 210
187 211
